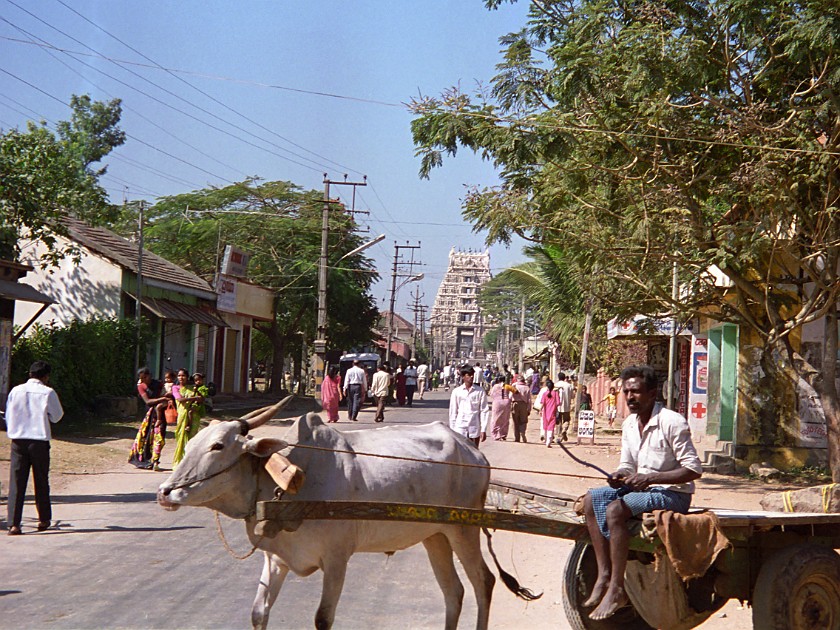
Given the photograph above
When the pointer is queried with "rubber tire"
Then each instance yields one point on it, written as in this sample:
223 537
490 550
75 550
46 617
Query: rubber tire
578 578
798 588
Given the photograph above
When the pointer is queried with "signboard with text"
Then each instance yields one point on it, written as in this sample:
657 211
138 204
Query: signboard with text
586 427
235 262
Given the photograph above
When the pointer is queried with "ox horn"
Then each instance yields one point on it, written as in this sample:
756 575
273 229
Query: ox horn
261 416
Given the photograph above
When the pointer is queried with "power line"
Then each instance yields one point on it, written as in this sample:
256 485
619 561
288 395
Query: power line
143 142
213 77
200 91
135 112
180 98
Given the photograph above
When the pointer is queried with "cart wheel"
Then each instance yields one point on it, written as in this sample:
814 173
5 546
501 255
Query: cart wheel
578 578
798 589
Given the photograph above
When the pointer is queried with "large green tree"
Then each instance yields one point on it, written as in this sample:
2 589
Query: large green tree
279 224
647 133
46 175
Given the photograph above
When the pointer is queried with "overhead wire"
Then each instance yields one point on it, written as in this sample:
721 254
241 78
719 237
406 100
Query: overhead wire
143 142
180 98
206 94
126 107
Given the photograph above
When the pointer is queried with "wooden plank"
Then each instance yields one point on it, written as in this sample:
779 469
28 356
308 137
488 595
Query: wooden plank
280 512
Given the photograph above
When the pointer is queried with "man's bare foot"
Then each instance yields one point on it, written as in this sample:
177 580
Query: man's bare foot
598 590
613 601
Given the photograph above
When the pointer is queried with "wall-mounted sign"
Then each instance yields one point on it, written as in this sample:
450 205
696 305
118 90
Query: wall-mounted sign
235 262
226 294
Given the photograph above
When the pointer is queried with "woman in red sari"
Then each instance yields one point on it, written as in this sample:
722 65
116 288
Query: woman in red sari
331 394
399 381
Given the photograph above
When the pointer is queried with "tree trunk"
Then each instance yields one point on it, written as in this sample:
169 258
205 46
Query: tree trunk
298 373
828 393
278 346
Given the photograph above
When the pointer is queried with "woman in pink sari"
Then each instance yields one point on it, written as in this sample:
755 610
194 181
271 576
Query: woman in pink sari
331 394
500 395
550 404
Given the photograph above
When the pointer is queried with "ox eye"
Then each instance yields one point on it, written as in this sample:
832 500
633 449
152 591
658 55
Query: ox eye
217 446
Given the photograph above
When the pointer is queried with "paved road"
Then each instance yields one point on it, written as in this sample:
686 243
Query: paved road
117 560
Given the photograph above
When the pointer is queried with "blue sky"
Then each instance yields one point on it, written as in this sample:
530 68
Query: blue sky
233 123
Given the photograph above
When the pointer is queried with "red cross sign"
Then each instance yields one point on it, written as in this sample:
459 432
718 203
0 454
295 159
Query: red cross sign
698 410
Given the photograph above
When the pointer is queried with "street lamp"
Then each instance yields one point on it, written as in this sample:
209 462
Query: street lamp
320 345
394 289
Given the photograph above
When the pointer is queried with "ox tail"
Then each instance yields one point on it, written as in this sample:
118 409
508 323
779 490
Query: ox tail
511 582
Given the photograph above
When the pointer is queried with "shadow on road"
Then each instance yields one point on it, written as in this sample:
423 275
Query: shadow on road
67 528
9 593
134 497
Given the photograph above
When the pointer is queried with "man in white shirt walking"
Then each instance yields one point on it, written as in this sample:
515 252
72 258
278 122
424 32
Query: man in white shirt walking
657 471
379 386
355 388
564 410
30 409
469 408
422 379
410 382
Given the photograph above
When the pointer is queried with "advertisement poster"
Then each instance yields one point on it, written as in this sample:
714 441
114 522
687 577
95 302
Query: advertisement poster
698 398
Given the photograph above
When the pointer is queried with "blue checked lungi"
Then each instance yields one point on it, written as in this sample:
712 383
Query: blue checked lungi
637 502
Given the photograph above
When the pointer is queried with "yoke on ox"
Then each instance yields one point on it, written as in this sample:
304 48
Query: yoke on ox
221 471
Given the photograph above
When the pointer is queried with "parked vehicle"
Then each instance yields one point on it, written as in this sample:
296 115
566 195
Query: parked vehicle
369 362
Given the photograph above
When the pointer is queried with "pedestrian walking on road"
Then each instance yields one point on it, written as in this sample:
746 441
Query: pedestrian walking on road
657 471
189 398
612 406
379 388
151 436
550 404
500 397
331 393
399 382
355 389
521 408
410 382
564 419
31 409
423 383
469 411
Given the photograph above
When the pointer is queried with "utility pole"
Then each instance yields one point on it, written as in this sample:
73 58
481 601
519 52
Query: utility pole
139 298
320 344
394 274
417 309
522 337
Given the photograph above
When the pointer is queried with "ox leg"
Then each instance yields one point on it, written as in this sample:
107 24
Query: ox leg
440 556
334 571
273 574
466 542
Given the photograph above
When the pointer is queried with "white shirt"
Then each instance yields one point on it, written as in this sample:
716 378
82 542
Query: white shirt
479 376
564 388
355 376
422 371
380 383
30 408
665 444
411 375
469 411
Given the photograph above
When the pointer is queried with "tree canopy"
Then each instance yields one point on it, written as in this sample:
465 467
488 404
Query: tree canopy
45 175
279 224
641 134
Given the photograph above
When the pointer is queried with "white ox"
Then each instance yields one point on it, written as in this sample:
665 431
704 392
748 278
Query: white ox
219 472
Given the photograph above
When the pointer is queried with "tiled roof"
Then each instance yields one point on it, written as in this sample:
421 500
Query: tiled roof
124 253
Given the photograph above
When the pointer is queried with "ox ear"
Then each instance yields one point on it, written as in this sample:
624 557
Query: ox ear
264 446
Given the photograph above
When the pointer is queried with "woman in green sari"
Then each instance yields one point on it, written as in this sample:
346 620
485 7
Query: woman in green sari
189 398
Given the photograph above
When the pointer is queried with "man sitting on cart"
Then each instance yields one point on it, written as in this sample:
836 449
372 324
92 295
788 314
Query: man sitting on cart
658 466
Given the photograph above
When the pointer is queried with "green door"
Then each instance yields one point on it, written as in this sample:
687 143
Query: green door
723 379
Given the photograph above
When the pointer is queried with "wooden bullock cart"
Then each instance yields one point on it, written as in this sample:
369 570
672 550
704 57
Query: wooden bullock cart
784 565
